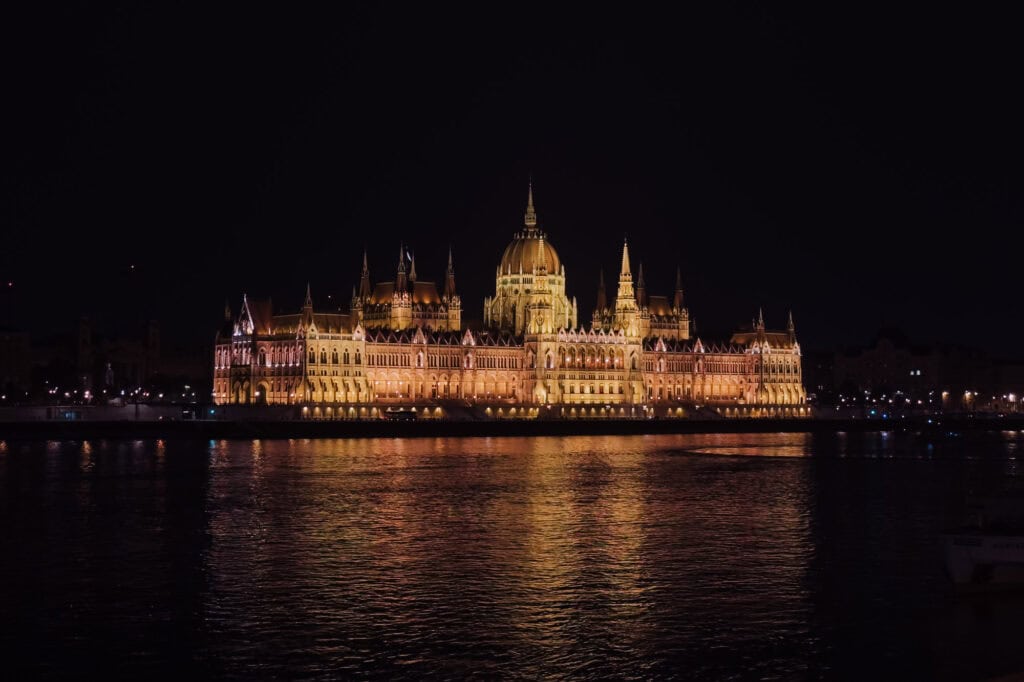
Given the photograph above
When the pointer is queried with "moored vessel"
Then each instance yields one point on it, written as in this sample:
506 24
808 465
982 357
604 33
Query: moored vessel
988 551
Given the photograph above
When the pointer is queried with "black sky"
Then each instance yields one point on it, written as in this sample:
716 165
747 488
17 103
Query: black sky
862 166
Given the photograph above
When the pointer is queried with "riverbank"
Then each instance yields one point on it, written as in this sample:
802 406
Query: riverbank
247 429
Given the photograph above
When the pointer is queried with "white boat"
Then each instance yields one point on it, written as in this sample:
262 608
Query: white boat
988 552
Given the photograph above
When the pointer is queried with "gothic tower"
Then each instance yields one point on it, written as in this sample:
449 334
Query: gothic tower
626 311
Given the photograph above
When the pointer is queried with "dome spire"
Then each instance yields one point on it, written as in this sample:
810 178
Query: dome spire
531 215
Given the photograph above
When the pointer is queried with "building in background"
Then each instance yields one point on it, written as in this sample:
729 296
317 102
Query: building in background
893 371
15 364
87 365
403 343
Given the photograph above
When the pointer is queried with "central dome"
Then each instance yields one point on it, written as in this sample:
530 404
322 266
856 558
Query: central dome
526 251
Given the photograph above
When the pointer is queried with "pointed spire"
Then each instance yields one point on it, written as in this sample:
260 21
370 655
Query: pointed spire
760 319
531 215
602 296
677 300
542 261
790 327
449 282
624 271
364 280
412 267
401 282
308 303
641 288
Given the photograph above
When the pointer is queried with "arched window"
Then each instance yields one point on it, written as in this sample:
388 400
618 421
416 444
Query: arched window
334 356
419 359
359 359
323 356
345 356
312 356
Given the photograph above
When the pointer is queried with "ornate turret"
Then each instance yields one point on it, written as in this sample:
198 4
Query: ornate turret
602 297
790 327
412 267
677 300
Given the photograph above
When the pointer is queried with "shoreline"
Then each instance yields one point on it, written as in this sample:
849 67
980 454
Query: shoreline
250 429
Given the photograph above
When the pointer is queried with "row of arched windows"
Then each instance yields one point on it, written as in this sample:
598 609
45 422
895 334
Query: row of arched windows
598 389
344 358
597 358
266 356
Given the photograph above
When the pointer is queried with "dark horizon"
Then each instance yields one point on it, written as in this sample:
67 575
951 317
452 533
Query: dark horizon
163 161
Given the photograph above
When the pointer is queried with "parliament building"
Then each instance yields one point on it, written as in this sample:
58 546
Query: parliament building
403 347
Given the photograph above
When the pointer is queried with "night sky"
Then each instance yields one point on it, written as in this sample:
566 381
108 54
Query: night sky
863 166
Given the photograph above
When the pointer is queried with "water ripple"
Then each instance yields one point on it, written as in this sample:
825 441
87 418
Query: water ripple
771 556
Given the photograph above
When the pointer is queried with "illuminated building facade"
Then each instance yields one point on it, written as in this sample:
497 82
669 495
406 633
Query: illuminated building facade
403 344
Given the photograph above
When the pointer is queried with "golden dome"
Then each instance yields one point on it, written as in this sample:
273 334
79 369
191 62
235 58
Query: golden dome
525 252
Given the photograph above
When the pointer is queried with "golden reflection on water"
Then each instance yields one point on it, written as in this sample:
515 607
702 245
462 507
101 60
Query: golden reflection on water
87 460
748 445
422 536
691 556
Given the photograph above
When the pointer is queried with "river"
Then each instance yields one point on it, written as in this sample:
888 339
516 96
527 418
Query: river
772 556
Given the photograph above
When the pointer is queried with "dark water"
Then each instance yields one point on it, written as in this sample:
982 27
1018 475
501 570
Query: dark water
771 556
